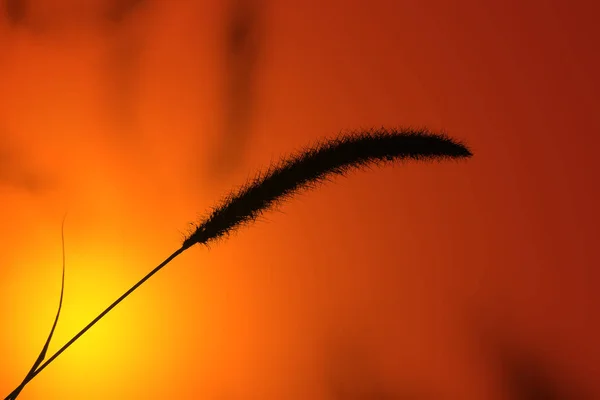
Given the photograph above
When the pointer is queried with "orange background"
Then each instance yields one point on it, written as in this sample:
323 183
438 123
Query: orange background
384 280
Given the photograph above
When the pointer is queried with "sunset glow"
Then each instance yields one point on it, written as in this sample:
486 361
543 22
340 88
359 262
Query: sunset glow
398 279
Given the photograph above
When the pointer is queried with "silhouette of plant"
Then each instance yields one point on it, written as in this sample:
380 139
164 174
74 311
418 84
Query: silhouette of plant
280 182
42 355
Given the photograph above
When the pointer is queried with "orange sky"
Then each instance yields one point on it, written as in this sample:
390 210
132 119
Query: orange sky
386 279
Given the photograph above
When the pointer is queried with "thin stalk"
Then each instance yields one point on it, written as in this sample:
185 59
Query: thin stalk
42 354
281 181
30 376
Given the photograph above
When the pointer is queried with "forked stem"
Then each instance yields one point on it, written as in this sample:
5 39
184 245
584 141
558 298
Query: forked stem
32 375
302 171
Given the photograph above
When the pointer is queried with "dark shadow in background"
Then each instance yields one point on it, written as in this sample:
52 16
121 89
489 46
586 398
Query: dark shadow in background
529 376
241 48
117 11
122 64
527 373
242 43
15 11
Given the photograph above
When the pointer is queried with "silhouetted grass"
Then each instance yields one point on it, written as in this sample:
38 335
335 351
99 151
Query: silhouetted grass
42 355
279 182
308 168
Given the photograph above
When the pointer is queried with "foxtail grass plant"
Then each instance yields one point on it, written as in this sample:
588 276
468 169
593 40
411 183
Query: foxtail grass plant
303 170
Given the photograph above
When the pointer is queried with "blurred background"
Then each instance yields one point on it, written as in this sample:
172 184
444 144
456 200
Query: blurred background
470 280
